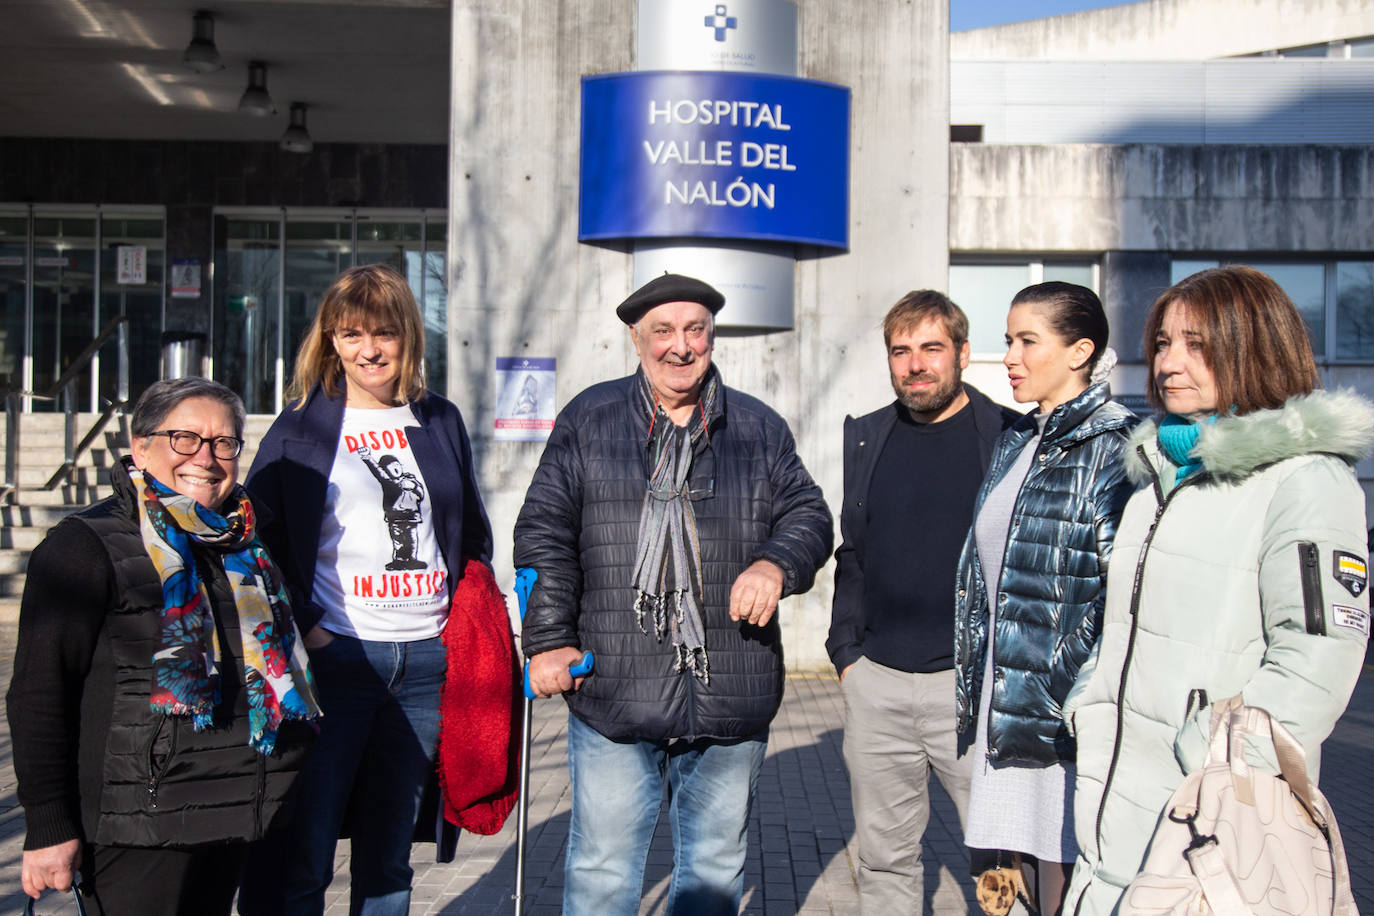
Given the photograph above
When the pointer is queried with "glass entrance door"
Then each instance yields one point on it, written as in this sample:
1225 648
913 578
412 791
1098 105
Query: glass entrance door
273 267
14 247
136 295
64 314
247 314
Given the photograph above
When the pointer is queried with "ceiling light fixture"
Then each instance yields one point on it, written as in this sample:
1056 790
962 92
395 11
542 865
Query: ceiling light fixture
297 138
256 99
201 54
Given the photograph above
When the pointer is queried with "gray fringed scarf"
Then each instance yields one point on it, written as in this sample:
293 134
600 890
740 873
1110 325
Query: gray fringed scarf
667 573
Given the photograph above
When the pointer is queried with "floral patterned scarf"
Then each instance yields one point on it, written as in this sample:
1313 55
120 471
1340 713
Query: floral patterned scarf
186 679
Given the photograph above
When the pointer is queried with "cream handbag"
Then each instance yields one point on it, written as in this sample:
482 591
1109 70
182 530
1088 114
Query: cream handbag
1235 841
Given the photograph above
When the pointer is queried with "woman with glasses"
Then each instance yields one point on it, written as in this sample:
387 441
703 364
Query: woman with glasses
371 482
161 703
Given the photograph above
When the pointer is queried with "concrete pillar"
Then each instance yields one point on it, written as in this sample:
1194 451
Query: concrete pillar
521 284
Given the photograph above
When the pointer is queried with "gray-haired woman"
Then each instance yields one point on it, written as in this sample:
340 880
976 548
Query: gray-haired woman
160 702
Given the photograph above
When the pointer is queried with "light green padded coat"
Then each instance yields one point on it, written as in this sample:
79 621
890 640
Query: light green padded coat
1246 578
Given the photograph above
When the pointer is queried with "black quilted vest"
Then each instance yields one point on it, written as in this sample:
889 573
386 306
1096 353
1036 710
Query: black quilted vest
152 780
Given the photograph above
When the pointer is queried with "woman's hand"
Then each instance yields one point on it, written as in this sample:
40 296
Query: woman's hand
52 867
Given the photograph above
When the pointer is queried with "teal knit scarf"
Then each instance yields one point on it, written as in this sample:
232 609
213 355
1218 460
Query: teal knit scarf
1177 436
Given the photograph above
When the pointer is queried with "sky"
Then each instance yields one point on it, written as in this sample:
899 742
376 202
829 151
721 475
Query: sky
975 14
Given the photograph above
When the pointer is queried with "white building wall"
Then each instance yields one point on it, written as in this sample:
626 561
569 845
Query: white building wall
1254 101
521 284
1135 206
1170 30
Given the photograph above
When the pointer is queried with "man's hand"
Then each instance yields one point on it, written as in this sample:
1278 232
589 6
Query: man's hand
845 671
754 596
549 672
52 867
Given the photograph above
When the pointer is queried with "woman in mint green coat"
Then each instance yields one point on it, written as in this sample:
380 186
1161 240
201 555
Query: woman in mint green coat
1238 568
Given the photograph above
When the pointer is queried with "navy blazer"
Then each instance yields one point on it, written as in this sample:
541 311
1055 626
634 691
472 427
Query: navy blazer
864 439
290 475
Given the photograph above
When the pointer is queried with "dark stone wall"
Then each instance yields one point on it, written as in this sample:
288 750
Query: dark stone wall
190 178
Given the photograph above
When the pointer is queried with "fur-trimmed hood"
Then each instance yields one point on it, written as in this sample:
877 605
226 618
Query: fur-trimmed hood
1339 423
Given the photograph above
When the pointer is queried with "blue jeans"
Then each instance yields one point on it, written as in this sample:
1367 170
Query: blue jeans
616 791
376 746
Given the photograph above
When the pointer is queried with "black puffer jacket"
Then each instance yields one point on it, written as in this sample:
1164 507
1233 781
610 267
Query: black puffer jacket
578 529
92 759
1053 579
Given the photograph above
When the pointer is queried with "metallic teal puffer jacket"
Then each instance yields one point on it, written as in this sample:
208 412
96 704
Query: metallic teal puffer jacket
1053 579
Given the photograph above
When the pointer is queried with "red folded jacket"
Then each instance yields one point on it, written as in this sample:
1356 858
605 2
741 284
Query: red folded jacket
480 707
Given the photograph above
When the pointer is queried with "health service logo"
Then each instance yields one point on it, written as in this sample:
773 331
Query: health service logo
721 22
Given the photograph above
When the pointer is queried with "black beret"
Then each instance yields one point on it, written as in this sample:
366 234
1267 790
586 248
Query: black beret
668 288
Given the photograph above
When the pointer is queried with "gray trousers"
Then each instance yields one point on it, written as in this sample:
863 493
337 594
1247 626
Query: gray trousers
898 727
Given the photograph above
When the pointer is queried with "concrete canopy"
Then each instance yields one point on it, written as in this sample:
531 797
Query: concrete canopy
371 71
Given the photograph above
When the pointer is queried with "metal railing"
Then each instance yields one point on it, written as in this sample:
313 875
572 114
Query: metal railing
65 388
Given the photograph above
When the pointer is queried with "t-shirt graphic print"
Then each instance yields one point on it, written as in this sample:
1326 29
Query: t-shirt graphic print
379 575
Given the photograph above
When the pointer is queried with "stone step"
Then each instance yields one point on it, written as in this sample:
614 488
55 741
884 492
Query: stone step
13 562
101 456
12 585
22 538
68 495
34 477
33 516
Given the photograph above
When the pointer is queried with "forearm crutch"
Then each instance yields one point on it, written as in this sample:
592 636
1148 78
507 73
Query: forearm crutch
524 582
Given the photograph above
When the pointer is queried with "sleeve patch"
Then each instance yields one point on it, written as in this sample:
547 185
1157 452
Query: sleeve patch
1350 570
1353 618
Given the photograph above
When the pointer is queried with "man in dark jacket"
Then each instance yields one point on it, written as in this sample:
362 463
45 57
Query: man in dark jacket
911 473
667 517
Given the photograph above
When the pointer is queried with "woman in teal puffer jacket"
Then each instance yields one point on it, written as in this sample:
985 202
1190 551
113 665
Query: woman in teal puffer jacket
1238 568
1042 534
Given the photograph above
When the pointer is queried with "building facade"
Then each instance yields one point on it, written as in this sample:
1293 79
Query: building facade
1120 148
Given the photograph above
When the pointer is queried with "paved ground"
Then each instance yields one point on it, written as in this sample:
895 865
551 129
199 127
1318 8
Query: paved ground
801 857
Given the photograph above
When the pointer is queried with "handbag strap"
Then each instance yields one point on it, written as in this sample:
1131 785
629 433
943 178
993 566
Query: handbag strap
1218 884
76 893
1232 721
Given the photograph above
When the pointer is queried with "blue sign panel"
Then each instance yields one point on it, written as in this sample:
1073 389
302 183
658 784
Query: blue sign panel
714 155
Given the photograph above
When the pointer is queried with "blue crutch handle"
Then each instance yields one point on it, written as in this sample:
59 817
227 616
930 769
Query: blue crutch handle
524 583
581 669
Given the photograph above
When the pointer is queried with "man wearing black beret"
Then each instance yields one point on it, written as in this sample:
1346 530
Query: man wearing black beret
667 517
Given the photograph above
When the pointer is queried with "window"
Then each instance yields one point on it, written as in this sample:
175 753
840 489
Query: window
984 291
1335 299
59 296
272 268
1355 310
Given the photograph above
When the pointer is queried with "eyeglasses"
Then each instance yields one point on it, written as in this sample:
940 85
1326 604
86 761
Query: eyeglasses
185 442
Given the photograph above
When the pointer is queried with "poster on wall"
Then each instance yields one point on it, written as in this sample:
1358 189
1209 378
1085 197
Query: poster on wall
133 265
186 278
525 389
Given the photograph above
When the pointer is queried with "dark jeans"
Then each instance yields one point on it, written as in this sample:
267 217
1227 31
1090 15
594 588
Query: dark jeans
370 765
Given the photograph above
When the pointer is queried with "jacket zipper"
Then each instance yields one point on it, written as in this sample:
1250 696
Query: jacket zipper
1163 501
1310 572
156 770
262 791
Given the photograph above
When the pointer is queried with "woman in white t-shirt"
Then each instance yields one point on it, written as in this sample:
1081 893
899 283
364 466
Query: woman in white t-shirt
375 508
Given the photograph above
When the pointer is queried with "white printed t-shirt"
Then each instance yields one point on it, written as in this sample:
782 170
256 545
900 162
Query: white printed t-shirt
379 575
